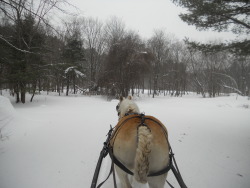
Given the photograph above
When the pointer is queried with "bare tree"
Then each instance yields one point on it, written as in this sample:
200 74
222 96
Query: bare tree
178 72
158 45
94 44
114 31
212 73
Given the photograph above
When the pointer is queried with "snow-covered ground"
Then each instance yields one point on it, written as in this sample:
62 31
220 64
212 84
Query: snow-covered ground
54 142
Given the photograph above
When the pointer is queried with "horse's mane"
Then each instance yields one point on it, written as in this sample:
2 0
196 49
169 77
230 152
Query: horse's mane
128 106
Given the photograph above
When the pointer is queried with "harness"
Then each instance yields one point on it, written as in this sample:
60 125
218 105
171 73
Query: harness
142 123
108 149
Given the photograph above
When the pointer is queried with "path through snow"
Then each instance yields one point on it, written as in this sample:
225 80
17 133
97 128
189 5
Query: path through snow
55 141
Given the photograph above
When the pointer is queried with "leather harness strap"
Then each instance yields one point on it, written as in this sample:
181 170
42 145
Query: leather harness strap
142 123
108 148
125 169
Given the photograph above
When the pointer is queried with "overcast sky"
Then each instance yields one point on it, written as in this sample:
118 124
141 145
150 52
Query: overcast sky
143 16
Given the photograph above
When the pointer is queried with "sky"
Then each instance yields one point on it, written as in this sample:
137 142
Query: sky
145 16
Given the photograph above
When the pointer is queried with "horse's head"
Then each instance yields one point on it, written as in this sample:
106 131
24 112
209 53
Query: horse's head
126 106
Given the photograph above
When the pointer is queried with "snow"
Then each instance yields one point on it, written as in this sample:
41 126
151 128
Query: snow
55 141
69 69
77 72
7 111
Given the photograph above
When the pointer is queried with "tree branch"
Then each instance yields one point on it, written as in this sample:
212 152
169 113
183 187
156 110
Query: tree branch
24 51
237 21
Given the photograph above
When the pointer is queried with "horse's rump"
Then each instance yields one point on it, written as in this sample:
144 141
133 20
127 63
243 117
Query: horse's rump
154 138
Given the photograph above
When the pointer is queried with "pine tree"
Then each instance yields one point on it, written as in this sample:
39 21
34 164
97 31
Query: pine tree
220 15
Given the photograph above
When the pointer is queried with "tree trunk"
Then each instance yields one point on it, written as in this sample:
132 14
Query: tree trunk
132 90
33 92
22 94
58 87
17 97
39 86
67 90
62 87
74 83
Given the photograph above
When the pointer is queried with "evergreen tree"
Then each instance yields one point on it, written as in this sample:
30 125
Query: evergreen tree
24 70
219 15
74 59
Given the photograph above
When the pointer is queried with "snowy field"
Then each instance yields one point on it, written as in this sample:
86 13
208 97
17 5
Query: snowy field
54 142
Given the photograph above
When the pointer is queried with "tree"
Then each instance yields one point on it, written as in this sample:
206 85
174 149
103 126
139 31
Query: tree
73 53
114 31
53 72
23 66
14 10
5 51
25 41
217 72
157 45
220 15
125 62
34 37
177 73
240 71
94 44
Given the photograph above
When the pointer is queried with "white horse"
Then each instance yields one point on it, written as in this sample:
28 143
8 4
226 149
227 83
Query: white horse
140 143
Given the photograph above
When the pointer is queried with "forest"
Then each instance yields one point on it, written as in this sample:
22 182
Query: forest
85 55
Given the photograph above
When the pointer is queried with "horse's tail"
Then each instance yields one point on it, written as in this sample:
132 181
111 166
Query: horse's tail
143 150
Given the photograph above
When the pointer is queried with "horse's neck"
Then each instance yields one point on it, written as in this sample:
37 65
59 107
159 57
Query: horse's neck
130 107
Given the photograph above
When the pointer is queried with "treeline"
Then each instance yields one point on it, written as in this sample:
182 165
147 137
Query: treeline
88 56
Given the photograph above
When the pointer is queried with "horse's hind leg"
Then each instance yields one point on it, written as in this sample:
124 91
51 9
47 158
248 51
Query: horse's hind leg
123 177
157 181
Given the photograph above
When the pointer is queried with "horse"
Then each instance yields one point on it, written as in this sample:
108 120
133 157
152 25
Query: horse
140 143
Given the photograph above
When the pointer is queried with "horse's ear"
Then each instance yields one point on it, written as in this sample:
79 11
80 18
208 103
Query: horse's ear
130 97
121 98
